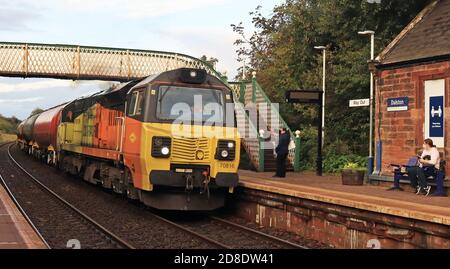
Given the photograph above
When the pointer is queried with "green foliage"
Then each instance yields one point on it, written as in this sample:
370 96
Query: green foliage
36 111
8 125
282 52
335 163
308 149
334 160
351 166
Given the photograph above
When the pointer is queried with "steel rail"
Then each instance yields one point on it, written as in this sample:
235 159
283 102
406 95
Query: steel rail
266 236
200 236
19 207
101 228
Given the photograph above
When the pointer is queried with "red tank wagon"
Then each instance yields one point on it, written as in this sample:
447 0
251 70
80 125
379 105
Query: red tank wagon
45 128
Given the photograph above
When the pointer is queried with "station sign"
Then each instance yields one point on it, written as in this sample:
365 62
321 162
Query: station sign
436 116
434 111
359 103
304 96
398 104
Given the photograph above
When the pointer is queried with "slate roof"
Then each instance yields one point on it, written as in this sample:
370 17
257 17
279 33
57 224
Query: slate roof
426 37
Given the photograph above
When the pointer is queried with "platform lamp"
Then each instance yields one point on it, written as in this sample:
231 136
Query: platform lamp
324 66
372 57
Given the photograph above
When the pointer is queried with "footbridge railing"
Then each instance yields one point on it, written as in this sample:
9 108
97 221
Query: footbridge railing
255 141
82 62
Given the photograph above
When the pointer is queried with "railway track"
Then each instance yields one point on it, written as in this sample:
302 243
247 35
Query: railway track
262 235
137 224
22 211
69 219
191 232
257 236
230 234
148 222
19 207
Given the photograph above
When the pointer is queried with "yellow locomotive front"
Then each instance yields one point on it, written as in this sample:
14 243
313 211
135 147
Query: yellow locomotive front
181 141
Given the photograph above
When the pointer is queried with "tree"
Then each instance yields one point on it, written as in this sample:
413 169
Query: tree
8 125
36 111
210 60
282 52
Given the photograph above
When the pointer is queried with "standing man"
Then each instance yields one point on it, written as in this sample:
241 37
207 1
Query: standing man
282 151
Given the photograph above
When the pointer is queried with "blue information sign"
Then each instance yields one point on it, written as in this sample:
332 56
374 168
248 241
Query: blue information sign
436 116
398 104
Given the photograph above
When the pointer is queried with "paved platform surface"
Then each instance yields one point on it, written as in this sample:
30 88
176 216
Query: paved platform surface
373 198
15 231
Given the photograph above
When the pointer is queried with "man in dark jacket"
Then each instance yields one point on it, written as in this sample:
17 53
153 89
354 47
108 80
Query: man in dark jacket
282 151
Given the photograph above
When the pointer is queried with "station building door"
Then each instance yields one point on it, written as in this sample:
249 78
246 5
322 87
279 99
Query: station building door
434 125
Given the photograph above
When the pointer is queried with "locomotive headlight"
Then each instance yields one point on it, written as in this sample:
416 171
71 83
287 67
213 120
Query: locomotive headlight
165 151
224 153
230 145
226 150
161 146
193 76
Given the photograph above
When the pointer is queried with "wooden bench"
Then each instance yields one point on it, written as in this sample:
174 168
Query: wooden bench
435 180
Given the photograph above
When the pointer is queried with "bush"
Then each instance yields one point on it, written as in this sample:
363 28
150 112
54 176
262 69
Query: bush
308 149
335 163
8 125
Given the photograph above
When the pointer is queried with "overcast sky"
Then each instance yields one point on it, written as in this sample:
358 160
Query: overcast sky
193 27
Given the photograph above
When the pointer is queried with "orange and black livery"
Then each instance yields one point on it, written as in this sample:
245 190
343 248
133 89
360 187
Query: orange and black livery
168 140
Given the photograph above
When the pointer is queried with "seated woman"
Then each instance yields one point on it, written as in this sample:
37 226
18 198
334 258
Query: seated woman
429 163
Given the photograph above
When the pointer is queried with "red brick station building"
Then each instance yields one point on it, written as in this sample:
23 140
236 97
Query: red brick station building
413 91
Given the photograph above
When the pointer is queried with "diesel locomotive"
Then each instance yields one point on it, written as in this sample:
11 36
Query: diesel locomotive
169 140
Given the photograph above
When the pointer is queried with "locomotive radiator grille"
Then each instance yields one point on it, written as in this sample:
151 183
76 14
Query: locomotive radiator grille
186 149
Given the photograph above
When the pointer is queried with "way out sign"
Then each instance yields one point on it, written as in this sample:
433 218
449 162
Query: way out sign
359 103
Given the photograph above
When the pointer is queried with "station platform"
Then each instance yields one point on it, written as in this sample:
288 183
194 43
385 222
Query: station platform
373 198
15 231
305 192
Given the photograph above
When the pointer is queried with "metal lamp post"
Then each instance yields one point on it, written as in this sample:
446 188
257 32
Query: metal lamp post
321 138
324 51
372 57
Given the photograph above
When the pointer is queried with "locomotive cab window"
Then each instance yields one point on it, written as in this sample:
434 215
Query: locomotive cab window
136 103
190 104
